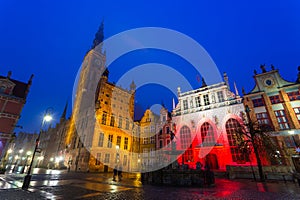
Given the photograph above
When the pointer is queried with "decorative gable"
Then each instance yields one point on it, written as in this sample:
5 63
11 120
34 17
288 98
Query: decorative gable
6 86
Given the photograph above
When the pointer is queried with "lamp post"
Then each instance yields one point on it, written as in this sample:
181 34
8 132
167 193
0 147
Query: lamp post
26 160
46 118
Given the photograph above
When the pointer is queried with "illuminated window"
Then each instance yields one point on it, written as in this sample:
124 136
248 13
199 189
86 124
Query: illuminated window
98 158
198 101
220 96
112 120
107 157
207 135
232 125
206 99
294 95
185 137
297 112
152 140
185 104
281 119
120 122
263 118
145 140
119 141
258 102
275 99
101 139
110 139
126 143
127 124
104 116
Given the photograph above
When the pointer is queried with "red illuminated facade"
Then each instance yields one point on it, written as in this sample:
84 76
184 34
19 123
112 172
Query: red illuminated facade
206 120
13 95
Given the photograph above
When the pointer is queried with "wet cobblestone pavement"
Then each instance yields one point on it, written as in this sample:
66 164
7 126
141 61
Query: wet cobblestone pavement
101 186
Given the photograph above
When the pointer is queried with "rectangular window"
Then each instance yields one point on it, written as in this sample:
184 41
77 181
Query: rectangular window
152 140
258 102
275 99
160 143
152 129
185 105
125 160
220 96
112 120
206 99
101 140
127 124
120 122
263 118
126 143
98 158
294 95
119 141
297 112
198 101
145 140
110 139
281 118
104 116
107 157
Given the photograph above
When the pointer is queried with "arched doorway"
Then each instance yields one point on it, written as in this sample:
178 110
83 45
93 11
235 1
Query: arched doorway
211 160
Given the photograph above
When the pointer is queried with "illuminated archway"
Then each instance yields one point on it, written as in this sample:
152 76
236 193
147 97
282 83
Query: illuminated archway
207 135
186 144
232 125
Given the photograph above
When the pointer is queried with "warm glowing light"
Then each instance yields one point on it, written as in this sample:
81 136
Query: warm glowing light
28 153
16 157
21 151
9 151
117 147
291 132
41 158
51 159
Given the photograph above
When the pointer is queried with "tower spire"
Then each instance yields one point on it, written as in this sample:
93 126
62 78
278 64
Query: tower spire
63 116
99 36
226 80
236 90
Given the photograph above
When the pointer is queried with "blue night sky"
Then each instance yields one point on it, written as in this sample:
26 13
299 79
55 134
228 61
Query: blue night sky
50 38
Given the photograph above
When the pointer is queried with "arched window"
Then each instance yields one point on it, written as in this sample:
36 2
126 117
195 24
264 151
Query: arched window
207 135
232 126
185 137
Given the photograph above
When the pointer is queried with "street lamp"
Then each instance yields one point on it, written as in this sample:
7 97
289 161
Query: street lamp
47 117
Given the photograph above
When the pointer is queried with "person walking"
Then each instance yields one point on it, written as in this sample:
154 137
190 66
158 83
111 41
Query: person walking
120 173
115 173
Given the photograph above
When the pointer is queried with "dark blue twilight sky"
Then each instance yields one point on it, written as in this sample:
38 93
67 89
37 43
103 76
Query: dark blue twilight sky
49 39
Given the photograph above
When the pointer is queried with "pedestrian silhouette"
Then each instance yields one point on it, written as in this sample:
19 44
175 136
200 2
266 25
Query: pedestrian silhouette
120 173
115 173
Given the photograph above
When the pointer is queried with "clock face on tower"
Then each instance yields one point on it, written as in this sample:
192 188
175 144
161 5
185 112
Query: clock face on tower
268 82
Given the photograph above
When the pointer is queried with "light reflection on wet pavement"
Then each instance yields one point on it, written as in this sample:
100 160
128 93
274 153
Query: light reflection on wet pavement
100 186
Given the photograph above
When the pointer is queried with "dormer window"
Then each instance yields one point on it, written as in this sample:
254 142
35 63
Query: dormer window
2 89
